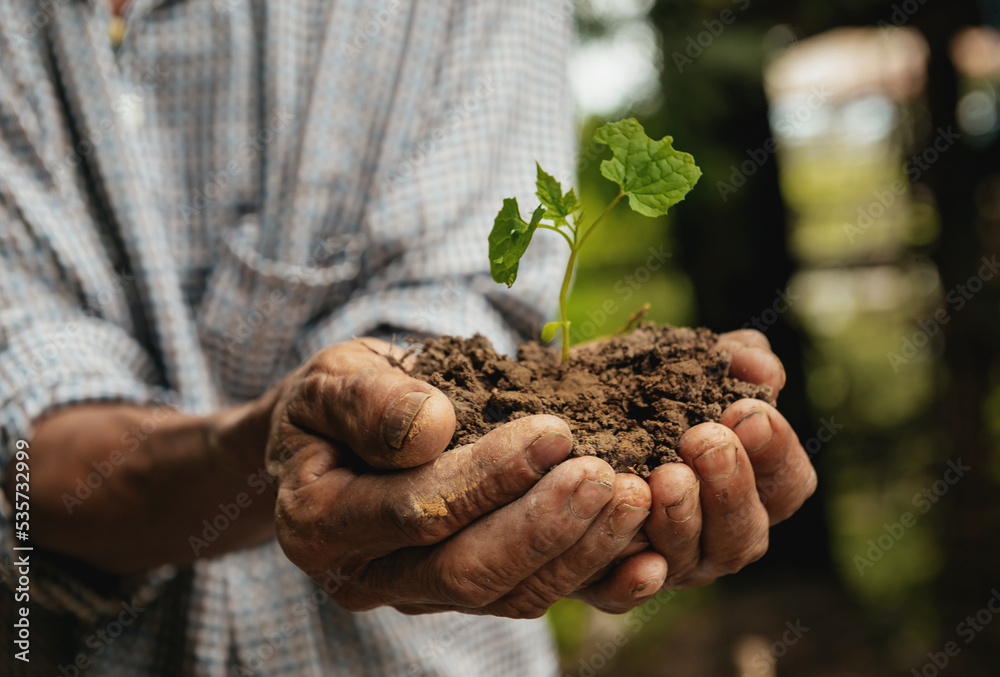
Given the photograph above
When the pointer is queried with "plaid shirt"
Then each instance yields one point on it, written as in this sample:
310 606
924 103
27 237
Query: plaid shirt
187 216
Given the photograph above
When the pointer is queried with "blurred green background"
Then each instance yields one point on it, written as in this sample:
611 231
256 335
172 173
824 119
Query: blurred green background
850 171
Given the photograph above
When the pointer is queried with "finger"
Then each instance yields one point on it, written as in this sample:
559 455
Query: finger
353 394
745 337
785 477
369 515
626 586
674 525
608 536
630 584
487 559
639 543
734 523
754 363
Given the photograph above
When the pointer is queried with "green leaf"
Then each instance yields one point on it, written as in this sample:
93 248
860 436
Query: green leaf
509 239
549 330
653 175
558 206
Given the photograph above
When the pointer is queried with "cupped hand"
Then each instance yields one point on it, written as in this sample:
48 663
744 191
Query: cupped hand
711 514
505 526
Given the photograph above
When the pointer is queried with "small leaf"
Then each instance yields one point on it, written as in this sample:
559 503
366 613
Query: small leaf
549 330
570 201
558 206
653 175
549 190
509 239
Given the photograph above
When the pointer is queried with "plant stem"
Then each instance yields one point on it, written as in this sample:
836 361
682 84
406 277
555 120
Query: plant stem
558 230
563 315
600 218
574 249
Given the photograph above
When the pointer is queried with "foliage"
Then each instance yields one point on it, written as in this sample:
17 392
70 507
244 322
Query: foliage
650 173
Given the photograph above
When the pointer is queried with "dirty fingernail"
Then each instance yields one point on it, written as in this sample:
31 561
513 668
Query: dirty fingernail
589 498
550 448
718 463
400 417
754 430
683 510
648 588
626 519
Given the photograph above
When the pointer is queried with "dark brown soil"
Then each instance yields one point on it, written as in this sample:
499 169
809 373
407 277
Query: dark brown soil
627 400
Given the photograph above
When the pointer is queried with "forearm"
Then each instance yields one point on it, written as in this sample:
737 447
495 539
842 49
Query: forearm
126 488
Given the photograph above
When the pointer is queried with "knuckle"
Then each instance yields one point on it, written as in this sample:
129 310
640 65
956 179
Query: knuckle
355 386
527 602
291 531
730 566
312 388
522 611
353 598
778 514
770 488
544 539
286 505
695 579
296 552
678 582
304 402
782 495
758 551
347 397
417 527
464 584
464 592
493 490
683 569
744 556
329 359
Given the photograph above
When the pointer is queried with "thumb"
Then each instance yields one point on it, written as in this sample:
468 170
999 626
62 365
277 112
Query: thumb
355 395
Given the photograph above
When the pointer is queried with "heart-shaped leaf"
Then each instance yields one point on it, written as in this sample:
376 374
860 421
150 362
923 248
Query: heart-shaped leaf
653 175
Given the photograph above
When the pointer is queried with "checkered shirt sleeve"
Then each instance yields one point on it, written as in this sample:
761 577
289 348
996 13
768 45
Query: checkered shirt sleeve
186 217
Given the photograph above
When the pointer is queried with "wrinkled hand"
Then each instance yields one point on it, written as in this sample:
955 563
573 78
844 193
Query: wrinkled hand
365 497
711 514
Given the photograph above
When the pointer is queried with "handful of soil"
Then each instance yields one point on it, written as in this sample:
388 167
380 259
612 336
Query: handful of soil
627 400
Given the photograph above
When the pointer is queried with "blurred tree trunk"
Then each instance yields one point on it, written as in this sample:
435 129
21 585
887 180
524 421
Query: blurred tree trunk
970 511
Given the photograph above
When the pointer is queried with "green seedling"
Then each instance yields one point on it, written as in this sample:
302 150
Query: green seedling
650 173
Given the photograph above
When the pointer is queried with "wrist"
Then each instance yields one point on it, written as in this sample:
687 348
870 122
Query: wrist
236 437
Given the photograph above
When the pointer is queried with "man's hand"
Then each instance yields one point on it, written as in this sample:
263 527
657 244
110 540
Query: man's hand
711 514
489 528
